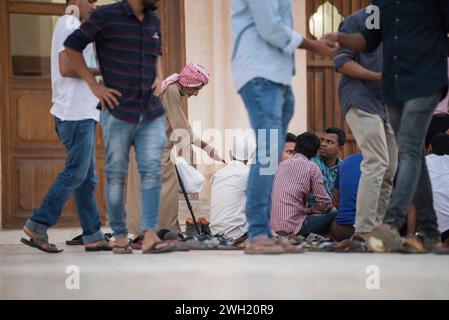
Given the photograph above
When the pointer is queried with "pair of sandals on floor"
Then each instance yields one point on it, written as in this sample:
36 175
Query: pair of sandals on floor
265 245
40 241
386 238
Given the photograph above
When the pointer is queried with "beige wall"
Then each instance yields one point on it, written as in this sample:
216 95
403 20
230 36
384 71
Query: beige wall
209 42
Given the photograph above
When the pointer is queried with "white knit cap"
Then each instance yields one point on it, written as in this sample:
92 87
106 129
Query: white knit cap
242 148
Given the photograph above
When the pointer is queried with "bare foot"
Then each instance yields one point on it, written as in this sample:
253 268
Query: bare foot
121 241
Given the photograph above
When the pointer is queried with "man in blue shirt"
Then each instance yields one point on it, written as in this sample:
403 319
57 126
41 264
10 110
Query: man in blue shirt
345 197
263 65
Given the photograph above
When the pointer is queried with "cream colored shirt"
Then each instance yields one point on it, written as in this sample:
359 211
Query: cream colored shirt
177 127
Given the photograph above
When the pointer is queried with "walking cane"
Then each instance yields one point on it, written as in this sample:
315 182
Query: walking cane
187 200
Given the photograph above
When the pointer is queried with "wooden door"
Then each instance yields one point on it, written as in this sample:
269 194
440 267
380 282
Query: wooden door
322 81
31 154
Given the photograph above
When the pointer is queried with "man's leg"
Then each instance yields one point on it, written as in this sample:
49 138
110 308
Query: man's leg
318 223
388 180
423 200
264 101
287 114
410 125
368 131
133 205
168 217
149 141
75 137
86 203
118 136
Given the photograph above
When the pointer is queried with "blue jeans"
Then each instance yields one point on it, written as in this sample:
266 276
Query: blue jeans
149 141
270 108
78 178
318 223
410 122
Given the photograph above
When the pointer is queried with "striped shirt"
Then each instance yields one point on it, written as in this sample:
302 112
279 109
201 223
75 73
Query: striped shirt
363 94
127 52
294 180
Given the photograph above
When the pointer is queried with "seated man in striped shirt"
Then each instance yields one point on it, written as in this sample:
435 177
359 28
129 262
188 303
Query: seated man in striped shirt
294 180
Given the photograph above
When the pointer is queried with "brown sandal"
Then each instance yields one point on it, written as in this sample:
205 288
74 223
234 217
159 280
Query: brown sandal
100 246
288 246
412 245
264 245
118 249
355 245
168 247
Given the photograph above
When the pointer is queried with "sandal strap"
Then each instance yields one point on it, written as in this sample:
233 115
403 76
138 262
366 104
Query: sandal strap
40 239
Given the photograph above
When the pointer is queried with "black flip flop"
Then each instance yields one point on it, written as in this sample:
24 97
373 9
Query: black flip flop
77 241
38 244
101 246
169 247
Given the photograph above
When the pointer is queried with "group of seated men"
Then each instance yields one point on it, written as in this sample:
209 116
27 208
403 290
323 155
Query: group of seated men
314 191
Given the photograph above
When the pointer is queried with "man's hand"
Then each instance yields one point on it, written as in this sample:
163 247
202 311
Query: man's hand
157 87
323 47
106 95
326 48
214 155
378 76
333 36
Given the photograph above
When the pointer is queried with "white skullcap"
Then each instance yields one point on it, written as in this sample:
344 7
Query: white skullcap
242 148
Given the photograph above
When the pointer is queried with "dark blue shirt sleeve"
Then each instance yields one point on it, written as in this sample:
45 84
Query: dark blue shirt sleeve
349 25
89 31
373 38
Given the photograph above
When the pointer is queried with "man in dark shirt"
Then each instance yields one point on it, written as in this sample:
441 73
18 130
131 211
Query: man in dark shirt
128 42
360 102
414 36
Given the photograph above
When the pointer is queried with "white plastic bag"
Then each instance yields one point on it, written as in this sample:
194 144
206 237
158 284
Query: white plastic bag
193 179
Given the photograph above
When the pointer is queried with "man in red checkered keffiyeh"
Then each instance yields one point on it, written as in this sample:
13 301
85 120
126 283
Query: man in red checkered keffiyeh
186 84
193 76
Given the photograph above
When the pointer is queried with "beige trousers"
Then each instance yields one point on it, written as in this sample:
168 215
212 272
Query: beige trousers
376 140
168 214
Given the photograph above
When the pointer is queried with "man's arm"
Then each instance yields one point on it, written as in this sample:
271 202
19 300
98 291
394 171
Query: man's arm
355 41
354 70
157 84
89 31
336 198
346 59
272 29
323 202
66 69
106 95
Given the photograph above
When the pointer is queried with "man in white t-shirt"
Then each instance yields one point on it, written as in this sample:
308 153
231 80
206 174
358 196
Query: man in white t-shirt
74 108
438 166
228 197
